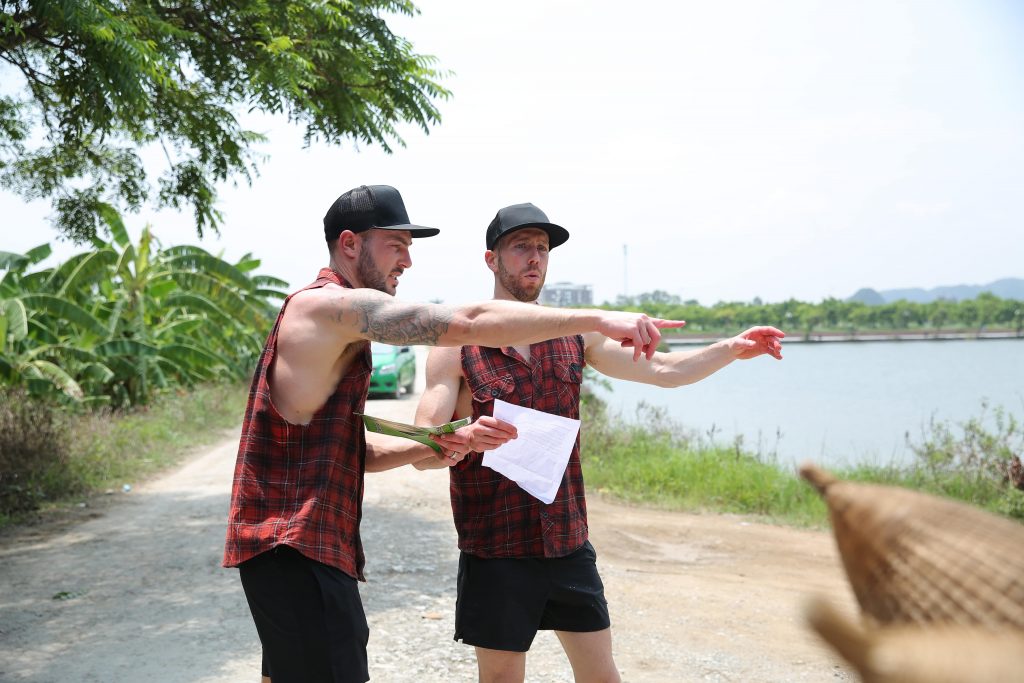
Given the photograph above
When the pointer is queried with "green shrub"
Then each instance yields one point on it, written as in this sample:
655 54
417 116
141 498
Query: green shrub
978 460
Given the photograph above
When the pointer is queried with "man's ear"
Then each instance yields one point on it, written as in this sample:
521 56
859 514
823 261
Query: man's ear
349 244
491 259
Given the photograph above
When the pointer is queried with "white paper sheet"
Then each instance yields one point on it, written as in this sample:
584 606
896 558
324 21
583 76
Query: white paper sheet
537 458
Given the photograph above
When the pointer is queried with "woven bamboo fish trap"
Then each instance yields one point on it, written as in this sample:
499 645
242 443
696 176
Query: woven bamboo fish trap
934 653
913 558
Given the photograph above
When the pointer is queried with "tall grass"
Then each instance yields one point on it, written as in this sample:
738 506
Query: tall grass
34 449
121 447
651 459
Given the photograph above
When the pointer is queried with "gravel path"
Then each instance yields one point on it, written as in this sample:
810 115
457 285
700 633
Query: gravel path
133 590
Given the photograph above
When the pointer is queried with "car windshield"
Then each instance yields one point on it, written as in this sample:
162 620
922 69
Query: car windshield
378 348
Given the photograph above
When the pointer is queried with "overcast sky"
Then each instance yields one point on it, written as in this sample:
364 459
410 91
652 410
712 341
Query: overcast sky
740 150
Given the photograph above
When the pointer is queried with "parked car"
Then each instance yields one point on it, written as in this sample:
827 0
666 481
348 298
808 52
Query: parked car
394 370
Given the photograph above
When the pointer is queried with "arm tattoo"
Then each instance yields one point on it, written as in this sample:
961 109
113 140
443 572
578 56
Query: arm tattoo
400 323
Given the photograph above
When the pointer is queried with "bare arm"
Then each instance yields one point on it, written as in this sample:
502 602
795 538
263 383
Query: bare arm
385 452
440 398
682 367
368 314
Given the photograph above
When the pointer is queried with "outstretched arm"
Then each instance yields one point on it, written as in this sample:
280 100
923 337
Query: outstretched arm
368 314
683 367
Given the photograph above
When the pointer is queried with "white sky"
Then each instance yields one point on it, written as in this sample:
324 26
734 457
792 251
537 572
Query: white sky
740 149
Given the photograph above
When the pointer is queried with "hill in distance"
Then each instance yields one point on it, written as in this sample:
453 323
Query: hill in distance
1006 288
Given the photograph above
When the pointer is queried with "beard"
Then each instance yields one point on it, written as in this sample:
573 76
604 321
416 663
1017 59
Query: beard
370 275
510 281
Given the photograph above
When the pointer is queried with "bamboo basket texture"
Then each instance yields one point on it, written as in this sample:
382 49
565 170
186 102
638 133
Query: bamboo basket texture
913 558
935 653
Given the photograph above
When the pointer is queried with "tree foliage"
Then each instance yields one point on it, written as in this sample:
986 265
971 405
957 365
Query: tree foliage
102 79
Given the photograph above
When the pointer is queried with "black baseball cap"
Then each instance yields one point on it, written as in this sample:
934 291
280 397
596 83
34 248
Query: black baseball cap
519 216
371 206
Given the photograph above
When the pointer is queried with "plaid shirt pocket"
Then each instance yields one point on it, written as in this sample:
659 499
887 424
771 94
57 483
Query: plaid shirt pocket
486 388
570 377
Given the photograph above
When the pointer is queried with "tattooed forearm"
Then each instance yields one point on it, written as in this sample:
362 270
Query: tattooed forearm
400 323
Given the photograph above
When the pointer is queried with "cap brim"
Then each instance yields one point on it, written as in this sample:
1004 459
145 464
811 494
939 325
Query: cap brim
557 235
414 230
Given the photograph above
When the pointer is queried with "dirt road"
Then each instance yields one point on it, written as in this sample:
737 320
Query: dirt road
136 592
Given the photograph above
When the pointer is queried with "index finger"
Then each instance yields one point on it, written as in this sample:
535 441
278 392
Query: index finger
768 330
661 323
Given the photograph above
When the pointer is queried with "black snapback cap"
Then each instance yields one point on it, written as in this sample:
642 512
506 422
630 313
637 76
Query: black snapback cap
519 216
371 206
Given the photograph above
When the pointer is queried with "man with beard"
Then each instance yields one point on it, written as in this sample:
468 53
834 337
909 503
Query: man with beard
525 565
296 500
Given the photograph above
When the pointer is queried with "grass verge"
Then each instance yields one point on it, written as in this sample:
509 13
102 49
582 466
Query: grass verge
107 449
658 462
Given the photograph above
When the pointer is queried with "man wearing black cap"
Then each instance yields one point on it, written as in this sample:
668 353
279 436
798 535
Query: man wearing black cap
296 500
526 565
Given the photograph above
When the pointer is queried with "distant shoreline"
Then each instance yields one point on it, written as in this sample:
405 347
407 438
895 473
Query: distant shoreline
846 337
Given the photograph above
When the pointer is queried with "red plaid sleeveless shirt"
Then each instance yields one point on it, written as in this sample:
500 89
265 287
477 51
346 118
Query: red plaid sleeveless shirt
301 485
493 516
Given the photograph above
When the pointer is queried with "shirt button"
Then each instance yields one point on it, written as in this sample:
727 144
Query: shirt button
495 392
574 367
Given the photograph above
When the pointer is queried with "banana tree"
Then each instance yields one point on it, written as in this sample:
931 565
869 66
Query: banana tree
127 319
22 362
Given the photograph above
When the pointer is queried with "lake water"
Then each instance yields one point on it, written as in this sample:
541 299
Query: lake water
842 403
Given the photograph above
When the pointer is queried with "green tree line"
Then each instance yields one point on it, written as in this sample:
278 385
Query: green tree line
833 315
118 323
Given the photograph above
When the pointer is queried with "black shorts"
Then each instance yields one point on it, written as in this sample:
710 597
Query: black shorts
309 617
503 602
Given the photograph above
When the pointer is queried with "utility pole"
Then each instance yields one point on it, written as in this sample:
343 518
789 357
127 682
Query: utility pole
625 270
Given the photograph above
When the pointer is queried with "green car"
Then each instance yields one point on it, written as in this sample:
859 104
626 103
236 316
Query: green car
394 370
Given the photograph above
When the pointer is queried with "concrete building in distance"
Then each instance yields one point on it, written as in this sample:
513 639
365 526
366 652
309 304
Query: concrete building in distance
567 294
